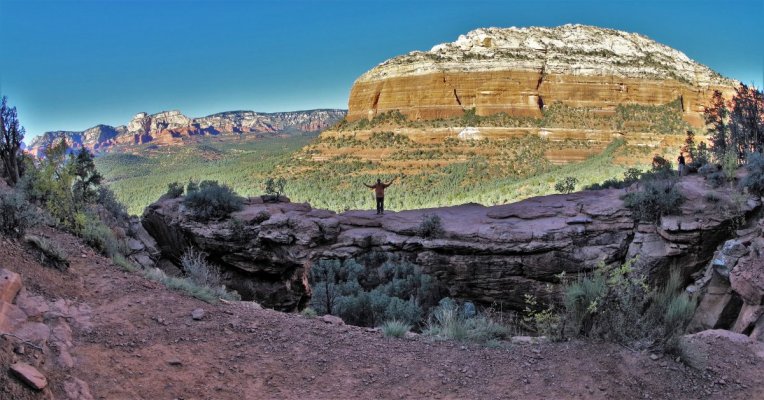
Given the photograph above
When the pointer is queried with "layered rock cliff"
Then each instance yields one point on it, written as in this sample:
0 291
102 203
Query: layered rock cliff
486 254
521 70
170 126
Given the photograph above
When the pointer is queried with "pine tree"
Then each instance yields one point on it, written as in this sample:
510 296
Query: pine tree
747 120
11 135
716 116
86 178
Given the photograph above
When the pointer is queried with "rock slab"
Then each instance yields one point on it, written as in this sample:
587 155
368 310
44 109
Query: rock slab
10 285
29 375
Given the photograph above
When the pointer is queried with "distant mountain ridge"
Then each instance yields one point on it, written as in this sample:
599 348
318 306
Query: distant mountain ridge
170 127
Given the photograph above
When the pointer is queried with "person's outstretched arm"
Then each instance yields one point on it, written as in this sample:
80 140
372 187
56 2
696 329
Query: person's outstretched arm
391 181
368 186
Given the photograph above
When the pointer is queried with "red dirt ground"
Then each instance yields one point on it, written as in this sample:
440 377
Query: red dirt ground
141 343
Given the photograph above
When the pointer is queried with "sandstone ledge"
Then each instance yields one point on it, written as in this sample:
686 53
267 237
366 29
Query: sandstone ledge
487 254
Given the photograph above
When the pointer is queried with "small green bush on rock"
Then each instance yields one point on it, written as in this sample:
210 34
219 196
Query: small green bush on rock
213 201
567 185
656 198
430 227
174 190
275 187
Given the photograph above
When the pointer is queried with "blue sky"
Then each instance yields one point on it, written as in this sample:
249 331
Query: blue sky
72 64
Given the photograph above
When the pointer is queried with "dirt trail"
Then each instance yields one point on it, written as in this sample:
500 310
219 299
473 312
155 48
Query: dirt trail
139 341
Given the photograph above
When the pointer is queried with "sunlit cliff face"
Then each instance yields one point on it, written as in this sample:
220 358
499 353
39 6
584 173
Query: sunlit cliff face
520 70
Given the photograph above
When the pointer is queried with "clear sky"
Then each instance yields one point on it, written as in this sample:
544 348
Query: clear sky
69 65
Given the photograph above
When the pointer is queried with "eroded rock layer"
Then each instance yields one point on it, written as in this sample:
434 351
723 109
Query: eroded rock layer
520 70
486 254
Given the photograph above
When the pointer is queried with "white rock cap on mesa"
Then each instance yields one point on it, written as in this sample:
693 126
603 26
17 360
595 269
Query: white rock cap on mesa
567 49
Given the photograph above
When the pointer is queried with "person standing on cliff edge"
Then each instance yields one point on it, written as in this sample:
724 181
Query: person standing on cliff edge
379 191
682 165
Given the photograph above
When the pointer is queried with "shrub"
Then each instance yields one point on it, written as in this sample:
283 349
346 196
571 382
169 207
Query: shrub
16 214
308 312
656 197
754 182
616 304
448 321
192 186
671 309
632 175
198 270
261 217
395 328
582 298
712 197
122 262
109 201
367 296
661 164
730 162
50 253
213 201
708 169
567 185
97 235
546 322
701 157
174 190
430 227
238 229
201 292
629 177
275 187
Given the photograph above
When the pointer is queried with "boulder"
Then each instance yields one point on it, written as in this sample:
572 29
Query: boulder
11 317
718 308
197 314
77 389
10 285
758 330
143 259
35 307
29 375
332 320
34 332
143 239
747 318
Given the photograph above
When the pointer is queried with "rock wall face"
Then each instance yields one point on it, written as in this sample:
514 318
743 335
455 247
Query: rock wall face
733 286
486 254
519 70
169 127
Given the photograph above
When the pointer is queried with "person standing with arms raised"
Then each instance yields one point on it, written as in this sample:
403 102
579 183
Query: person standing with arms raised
379 191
